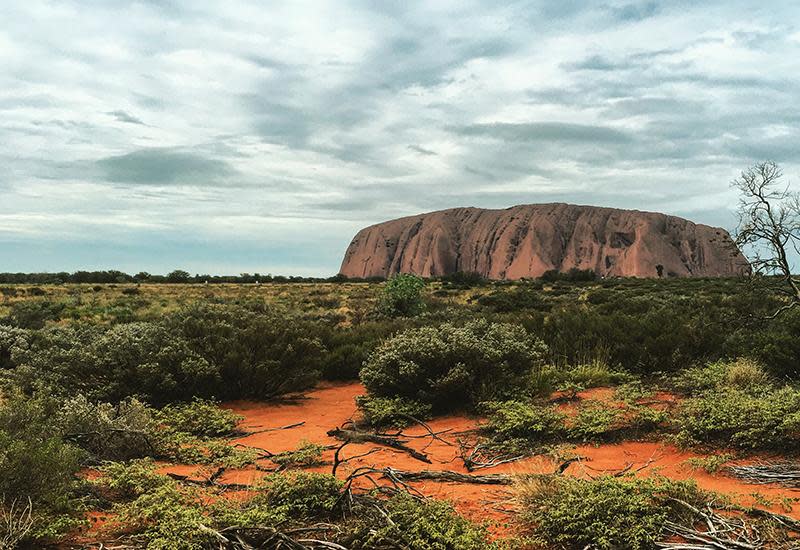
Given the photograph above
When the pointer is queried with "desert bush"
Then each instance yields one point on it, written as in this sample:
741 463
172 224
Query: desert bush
307 454
595 420
451 366
772 343
257 352
128 480
397 412
348 347
33 314
463 279
12 340
402 296
517 420
110 364
38 468
167 517
419 525
619 513
573 275
123 431
710 464
200 417
300 494
739 419
521 298
594 373
742 374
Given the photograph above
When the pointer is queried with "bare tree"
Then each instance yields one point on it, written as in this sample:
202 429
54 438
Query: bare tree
769 229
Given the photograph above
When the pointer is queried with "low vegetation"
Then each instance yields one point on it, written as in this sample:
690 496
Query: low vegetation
110 377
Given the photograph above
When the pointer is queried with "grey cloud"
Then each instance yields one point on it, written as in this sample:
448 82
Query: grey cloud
422 150
163 166
593 63
544 131
635 11
122 116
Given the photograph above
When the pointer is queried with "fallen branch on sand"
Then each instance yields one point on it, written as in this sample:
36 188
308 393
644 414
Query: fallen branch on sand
393 441
719 532
785 474
287 427
480 457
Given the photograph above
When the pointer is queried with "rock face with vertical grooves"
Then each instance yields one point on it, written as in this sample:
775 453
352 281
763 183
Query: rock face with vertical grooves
527 240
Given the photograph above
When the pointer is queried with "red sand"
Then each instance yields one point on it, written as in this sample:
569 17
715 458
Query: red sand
331 405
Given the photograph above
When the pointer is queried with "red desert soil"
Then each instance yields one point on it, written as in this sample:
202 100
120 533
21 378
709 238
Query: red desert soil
331 405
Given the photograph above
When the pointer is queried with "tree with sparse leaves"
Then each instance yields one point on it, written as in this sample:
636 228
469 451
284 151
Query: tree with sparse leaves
769 230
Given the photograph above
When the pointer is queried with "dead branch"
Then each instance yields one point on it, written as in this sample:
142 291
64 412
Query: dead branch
481 457
210 481
385 440
339 461
287 427
785 474
720 532
437 475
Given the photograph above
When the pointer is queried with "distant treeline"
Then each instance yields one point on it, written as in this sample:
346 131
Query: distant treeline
177 276
181 276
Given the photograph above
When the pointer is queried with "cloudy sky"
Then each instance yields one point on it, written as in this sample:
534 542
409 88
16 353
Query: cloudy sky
228 137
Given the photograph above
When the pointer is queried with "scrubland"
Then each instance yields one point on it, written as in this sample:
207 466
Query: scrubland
456 414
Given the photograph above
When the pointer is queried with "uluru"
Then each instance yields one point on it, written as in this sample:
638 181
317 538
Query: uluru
528 240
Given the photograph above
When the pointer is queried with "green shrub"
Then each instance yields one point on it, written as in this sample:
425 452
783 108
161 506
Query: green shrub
111 432
34 314
39 468
110 364
594 374
451 367
420 525
300 494
12 341
167 517
518 420
257 352
200 417
619 513
522 298
742 374
128 480
735 418
307 454
595 420
397 412
402 296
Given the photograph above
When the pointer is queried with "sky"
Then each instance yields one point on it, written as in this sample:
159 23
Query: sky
230 137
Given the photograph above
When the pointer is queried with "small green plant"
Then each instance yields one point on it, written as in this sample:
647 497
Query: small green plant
307 454
420 525
396 412
200 417
742 375
595 374
402 296
595 420
517 420
738 419
631 392
710 464
619 513
300 494
128 480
